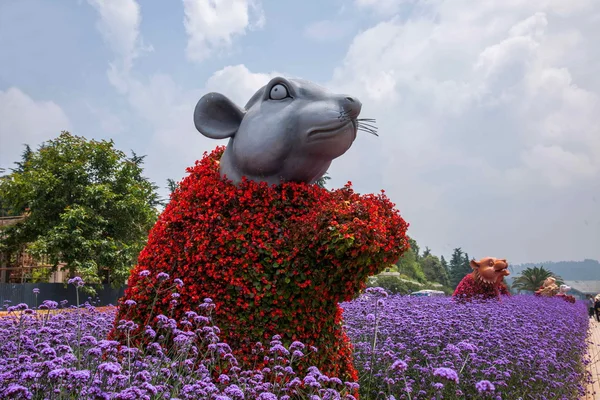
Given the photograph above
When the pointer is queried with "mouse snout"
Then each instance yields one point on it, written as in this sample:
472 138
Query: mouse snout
351 106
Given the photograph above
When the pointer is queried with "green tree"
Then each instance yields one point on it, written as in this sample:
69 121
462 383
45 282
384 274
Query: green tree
408 264
433 269
4 212
426 252
531 279
88 206
458 267
445 265
322 180
415 248
171 185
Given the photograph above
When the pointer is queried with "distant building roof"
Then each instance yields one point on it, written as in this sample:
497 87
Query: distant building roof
586 287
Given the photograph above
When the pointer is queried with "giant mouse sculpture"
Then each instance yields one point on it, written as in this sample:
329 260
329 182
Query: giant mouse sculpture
289 131
276 254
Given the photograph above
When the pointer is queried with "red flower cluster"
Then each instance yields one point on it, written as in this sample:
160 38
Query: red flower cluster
567 297
275 260
469 287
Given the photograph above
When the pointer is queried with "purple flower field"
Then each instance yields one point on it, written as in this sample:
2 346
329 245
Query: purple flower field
65 356
424 348
523 347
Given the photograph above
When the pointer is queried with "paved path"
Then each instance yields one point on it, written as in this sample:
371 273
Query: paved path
593 391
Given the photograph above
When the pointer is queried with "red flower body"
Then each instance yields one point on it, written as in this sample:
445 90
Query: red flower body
274 259
470 287
567 297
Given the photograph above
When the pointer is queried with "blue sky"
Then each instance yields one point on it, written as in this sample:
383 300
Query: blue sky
488 113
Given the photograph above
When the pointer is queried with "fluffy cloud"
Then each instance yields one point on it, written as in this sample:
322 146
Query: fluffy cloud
211 25
24 120
170 109
328 30
483 110
383 7
165 106
173 143
487 114
119 23
238 83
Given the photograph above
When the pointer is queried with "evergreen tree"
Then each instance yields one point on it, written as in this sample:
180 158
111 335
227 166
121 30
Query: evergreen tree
171 185
427 252
458 267
322 180
445 265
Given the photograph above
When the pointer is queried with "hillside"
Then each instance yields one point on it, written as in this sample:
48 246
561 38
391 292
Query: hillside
568 270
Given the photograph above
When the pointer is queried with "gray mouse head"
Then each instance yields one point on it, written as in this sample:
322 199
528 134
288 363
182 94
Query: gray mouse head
289 131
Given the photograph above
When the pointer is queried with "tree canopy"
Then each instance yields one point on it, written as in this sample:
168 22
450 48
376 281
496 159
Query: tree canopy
87 205
408 264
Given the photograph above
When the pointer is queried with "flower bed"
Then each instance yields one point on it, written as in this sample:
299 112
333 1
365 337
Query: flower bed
46 355
522 347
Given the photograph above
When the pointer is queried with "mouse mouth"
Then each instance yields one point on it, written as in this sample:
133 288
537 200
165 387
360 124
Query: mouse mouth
326 133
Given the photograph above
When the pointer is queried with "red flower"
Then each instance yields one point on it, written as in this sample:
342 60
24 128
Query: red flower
469 287
274 259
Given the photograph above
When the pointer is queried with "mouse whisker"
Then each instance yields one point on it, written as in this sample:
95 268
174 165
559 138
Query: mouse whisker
367 127
367 124
371 132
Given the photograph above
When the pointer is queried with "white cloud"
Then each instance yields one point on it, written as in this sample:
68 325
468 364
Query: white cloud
483 109
173 143
558 165
238 83
383 7
24 120
109 123
212 24
328 30
119 25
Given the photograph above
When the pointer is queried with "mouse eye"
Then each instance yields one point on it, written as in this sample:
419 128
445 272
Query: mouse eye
278 92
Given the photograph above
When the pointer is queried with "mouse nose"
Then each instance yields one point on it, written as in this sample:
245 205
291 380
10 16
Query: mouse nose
351 106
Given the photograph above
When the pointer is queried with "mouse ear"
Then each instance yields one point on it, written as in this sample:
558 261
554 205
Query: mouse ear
217 117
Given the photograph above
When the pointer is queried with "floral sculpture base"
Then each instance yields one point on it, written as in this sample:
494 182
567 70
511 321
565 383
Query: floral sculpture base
469 287
276 260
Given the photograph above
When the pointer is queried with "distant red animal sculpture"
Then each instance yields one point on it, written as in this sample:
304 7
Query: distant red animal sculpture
548 289
485 282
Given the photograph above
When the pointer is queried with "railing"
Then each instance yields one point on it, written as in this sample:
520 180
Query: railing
7 221
23 293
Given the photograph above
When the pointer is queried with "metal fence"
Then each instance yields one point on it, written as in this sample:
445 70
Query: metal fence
23 293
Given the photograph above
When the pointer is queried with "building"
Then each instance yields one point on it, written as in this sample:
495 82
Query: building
20 267
580 289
